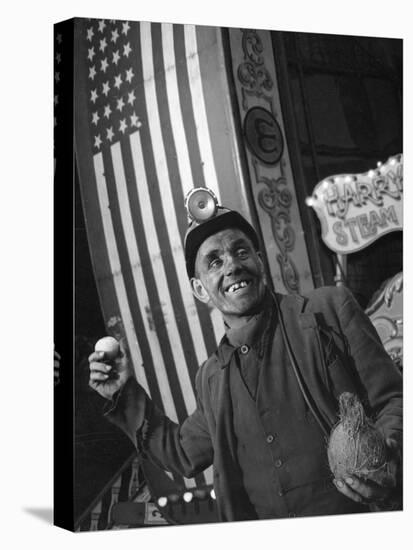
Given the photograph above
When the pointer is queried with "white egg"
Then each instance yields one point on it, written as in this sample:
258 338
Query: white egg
109 345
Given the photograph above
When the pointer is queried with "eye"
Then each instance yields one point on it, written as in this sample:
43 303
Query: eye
214 263
242 252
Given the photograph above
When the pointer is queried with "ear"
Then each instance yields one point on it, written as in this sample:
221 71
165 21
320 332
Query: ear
198 290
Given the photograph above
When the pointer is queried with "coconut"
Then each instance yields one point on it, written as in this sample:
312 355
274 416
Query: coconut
356 447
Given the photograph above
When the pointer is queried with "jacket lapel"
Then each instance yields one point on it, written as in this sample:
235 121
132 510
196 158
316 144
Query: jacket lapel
234 504
303 332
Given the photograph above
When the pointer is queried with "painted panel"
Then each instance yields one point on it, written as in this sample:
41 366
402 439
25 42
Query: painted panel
269 163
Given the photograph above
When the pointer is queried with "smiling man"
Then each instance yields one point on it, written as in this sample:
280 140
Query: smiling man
229 273
267 397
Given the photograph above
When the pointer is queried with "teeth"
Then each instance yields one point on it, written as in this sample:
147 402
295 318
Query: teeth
236 286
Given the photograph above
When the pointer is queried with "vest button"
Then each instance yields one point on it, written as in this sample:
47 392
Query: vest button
270 438
244 349
281 493
278 463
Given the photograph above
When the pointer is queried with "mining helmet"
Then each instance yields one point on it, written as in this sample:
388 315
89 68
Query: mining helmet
206 218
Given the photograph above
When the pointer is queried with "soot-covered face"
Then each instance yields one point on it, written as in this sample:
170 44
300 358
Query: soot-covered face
229 273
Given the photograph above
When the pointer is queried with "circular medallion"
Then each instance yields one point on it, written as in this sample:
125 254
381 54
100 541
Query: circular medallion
263 135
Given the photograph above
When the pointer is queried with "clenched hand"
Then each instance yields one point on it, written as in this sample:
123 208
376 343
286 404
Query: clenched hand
109 376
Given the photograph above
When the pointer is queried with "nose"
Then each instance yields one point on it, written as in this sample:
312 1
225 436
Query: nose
231 264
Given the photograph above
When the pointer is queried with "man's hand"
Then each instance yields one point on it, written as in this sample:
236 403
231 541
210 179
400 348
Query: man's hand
369 492
107 377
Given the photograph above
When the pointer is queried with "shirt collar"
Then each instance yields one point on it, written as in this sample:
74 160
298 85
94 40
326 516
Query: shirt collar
251 334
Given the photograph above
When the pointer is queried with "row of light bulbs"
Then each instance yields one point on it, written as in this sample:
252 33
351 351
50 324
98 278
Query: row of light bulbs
310 201
187 497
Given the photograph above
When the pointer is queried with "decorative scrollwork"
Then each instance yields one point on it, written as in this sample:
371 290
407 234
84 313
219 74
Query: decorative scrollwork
252 46
253 75
256 79
289 273
276 200
274 197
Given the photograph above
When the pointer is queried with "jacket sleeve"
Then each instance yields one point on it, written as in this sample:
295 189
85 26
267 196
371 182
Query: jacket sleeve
185 449
378 375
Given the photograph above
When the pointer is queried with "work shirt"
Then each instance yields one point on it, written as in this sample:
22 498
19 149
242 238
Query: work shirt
280 447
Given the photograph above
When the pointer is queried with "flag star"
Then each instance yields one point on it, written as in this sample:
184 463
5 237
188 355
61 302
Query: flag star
106 88
102 25
123 126
90 34
113 21
96 118
93 95
103 45
129 75
134 120
115 36
127 49
104 65
125 28
131 97
98 141
57 77
56 99
120 104
91 54
118 81
116 57
92 72
109 133
59 38
108 111
58 58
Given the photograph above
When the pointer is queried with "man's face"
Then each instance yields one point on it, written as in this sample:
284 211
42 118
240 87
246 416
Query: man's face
229 273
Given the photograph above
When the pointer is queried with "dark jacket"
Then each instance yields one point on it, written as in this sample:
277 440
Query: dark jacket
337 349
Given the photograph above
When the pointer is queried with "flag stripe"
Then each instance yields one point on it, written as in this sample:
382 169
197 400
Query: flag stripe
158 382
116 270
179 285
151 173
198 103
223 133
188 116
163 311
166 72
148 296
174 193
166 66
180 177
151 308
188 108
146 286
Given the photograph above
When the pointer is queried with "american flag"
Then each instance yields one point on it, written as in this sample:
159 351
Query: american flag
151 123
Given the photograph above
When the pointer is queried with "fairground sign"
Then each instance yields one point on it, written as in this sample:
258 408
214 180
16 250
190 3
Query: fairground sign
357 209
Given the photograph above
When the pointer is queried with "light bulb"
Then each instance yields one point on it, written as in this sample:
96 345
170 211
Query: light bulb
162 502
